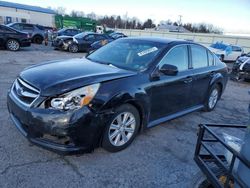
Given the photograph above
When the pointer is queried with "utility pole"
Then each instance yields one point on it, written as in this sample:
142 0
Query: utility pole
180 20
126 17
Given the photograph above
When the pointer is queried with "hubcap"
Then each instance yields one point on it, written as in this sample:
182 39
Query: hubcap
122 129
73 48
213 98
13 45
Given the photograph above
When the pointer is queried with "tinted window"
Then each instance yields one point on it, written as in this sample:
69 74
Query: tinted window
27 27
236 48
74 32
210 58
99 37
90 38
178 57
16 26
199 56
128 54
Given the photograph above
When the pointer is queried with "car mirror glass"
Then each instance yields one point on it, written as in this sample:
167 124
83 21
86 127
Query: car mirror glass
170 70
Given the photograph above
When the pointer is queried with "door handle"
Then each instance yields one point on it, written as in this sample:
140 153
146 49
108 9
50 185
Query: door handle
188 79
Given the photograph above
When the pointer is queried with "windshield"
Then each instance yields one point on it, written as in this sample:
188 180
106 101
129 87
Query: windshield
128 54
80 35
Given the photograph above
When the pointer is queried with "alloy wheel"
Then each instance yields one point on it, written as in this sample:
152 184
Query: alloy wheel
73 48
122 129
13 45
213 98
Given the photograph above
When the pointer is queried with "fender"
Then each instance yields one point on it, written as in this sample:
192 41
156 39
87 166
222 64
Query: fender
137 97
217 78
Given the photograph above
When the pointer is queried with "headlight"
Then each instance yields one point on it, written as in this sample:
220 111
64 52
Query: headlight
74 39
75 99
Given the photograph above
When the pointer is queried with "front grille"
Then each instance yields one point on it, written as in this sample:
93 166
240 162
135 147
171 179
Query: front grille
24 92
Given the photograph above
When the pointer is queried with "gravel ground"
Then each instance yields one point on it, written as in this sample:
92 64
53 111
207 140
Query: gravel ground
159 157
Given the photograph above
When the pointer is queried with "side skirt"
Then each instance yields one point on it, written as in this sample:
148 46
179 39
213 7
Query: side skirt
173 116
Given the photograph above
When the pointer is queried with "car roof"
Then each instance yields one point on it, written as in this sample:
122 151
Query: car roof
158 40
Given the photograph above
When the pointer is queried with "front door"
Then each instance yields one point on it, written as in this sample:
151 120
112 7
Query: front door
170 94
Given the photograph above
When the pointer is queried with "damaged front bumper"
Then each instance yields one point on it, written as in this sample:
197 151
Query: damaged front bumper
63 132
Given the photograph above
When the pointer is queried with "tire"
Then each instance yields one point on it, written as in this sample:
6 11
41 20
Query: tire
38 39
247 79
73 48
222 58
117 136
12 45
212 98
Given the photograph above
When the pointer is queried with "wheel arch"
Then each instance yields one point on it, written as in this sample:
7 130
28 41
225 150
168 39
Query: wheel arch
218 79
140 103
37 35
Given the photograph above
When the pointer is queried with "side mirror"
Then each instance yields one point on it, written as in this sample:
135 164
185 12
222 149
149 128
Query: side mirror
169 70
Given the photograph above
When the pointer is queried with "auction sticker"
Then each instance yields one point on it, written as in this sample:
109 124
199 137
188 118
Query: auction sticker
148 51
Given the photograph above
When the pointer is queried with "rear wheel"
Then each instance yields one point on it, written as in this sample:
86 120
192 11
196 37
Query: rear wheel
12 45
247 79
73 48
213 97
38 39
121 129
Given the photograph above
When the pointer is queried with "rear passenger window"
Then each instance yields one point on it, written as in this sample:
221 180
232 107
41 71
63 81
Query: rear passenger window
199 56
178 57
210 59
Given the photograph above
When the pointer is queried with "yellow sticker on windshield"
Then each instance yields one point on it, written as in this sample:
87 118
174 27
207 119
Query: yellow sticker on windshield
148 51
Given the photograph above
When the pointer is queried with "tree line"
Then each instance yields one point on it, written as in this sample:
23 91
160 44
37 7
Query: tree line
124 22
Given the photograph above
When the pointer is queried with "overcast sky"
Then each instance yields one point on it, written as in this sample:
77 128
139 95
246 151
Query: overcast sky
230 15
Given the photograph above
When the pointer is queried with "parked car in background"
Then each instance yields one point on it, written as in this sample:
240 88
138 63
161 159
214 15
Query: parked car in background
98 44
80 42
226 52
117 35
13 39
37 32
241 68
66 32
105 99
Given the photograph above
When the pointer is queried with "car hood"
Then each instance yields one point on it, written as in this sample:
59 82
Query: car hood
243 58
57 77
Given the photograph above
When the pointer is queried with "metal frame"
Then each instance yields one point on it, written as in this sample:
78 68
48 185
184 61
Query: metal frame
220 161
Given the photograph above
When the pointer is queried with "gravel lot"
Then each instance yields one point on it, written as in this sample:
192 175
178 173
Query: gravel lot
161 156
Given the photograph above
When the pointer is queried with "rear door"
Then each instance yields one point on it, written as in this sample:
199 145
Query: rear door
27 28
203 71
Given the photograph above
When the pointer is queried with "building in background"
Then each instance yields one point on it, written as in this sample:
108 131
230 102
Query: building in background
14 12
171 28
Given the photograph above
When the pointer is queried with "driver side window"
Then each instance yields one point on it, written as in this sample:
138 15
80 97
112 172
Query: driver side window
177 56
90 38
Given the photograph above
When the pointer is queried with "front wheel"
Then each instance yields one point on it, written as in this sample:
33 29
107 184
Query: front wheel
121 129
213 97
13 45
73 48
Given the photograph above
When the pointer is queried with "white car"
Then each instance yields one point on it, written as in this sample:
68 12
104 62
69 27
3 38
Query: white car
226 52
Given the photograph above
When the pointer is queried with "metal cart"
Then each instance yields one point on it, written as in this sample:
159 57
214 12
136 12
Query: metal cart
218 170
